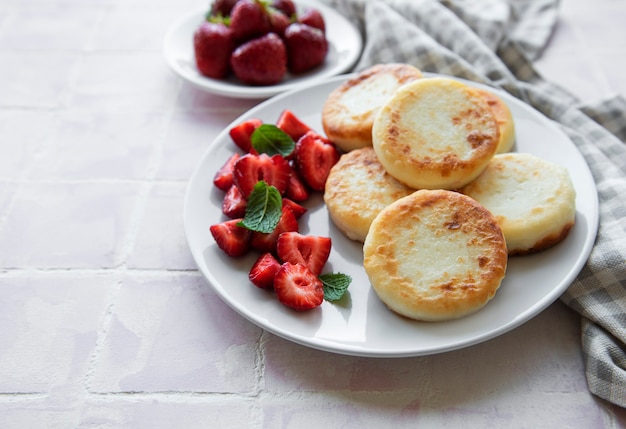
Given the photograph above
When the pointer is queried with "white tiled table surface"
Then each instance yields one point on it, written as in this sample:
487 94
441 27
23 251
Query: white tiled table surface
104 320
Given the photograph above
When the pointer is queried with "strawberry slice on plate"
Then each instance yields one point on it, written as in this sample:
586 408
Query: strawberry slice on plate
241 134
315 156
263 271
266 241
298 287
308 250
292 125
232 239
223 179
297 209
296 189
234 204
251 168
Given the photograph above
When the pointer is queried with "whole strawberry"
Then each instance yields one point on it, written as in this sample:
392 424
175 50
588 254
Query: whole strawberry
249 19
314 18
213 45
288 7
306 47
278 21
260 61
222 7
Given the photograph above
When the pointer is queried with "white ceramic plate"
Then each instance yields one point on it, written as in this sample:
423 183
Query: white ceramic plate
362 325
344 48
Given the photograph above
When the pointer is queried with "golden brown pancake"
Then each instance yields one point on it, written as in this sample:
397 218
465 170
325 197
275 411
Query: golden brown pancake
435 133
357 189
533 200
349 111
504 117
435 255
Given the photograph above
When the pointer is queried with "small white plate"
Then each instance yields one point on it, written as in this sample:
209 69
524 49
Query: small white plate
344 47
362 325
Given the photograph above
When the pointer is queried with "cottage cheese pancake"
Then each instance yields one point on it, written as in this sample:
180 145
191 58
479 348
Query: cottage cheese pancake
533 200
357 189
435 255
504 117
435 133
349 111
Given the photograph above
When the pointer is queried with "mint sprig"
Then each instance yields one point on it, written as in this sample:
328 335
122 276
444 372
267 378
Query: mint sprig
263 209
335 285
270 139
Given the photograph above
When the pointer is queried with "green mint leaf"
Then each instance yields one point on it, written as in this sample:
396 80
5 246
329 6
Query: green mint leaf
263 209
271 140
335 285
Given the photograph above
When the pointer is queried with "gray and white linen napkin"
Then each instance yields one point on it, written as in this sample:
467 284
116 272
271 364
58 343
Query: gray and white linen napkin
494 42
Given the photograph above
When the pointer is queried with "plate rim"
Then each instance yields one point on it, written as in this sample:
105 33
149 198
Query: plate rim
215 86
352 349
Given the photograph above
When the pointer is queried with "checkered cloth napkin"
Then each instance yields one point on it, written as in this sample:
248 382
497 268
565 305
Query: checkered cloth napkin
494 42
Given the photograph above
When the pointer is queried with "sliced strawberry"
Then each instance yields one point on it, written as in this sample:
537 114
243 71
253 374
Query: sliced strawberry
296 208
308 250
242 133
298 287
234 204
296 189
292 125
232 239
315 156
263 271
251 168
266 242
223 179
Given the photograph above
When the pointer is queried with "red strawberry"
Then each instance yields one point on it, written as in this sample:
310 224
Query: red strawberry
242 133
298 287
249 19
296 208
266 242
234 204
263 271
292 125
296 189
222 7
315 156
213 45
308 250
288 7
260 61
251 168
306 47
223 179
232 239
278 22
314 18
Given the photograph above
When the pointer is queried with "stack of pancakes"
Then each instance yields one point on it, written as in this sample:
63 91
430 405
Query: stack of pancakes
429 185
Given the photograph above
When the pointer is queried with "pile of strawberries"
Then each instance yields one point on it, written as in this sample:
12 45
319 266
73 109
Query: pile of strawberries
259 41
290 263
